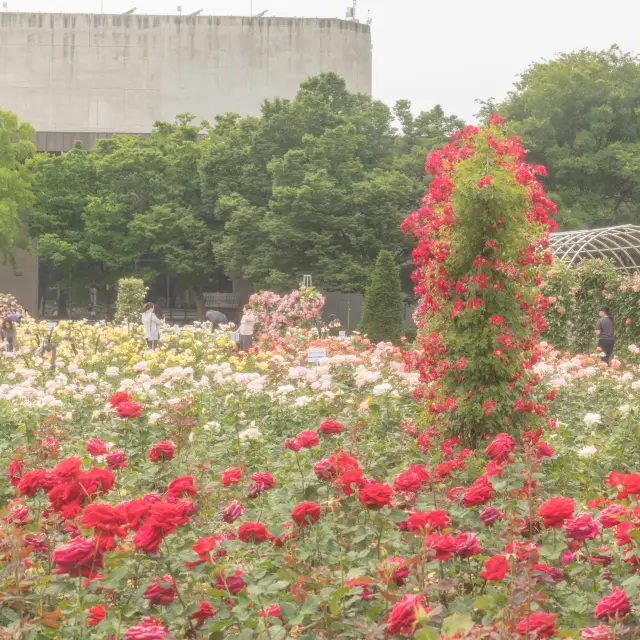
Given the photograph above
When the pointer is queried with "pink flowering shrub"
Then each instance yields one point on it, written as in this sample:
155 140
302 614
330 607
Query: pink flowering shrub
300 309
9 304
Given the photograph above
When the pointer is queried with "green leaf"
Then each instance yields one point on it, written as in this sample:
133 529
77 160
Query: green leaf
458 622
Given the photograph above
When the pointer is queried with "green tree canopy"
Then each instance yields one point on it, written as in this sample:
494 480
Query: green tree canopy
16 146
578 115
318 191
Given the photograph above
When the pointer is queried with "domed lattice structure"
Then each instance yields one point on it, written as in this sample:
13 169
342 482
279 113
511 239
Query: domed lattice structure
620 245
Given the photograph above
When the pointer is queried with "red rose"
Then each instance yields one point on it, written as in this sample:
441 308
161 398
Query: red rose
375 495
403 615
394 569
489 515
232 512
128 410
137 511
292 445
31 482
478 493
433 520
306 513
116 459
631 483
233 584
556 511
537 625
253 532
164 450
120 396
612 516
203 614
231 476
96 482
412 479
148 629
348 479
582 527
330 426
161 592
107 522
264 479
179 487
96 615
272 611
95 447
495 569
500 448
614 606
467 545
324 470
601 632
67 470
307 439
78 557
163 519
343 461
443 545
15 471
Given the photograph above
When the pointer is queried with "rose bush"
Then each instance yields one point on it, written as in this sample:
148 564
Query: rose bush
197 492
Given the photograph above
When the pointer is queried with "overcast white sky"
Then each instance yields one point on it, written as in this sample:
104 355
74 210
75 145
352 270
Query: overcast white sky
433 51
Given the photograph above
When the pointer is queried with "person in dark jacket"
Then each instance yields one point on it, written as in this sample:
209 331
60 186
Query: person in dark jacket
216 318
8 335
606 330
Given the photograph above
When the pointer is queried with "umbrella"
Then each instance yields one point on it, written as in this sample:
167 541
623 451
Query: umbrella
216 317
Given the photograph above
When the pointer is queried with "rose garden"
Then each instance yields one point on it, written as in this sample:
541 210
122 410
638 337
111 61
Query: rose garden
480 482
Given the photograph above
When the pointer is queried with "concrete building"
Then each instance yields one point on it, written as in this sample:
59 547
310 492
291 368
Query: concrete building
84 77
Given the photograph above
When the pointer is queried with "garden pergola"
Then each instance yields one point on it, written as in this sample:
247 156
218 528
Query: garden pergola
621 245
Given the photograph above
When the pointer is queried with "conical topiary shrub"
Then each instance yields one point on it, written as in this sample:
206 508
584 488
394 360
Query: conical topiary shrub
383 313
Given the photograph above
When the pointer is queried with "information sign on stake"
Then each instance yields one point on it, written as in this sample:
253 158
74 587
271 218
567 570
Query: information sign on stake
315 355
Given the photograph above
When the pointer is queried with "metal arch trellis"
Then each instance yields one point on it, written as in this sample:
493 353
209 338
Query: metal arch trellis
620 244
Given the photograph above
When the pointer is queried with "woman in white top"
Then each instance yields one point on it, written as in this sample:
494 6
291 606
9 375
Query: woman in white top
246 329
151 325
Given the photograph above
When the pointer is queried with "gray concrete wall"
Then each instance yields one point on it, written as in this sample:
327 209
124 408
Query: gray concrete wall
77 74
23 283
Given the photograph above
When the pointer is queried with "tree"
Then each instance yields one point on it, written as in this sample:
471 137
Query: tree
16 147
131 295
329 198
578 115
383 313
478 271
129 206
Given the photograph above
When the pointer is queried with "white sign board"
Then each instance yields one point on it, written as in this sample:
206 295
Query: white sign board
50 326
342 334
315 355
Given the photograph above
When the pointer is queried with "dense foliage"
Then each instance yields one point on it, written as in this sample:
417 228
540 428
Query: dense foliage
194 492
16 146
318 184
478 272
131 296
575 296
383 312
578 115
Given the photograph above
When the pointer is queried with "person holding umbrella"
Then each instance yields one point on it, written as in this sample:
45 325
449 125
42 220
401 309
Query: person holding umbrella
216 318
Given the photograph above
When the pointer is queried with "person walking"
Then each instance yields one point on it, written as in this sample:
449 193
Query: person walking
246 329
151 325
605 330
8 335
216 318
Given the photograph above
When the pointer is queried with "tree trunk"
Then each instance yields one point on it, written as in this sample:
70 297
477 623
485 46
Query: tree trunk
63 311
198 296
108 300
